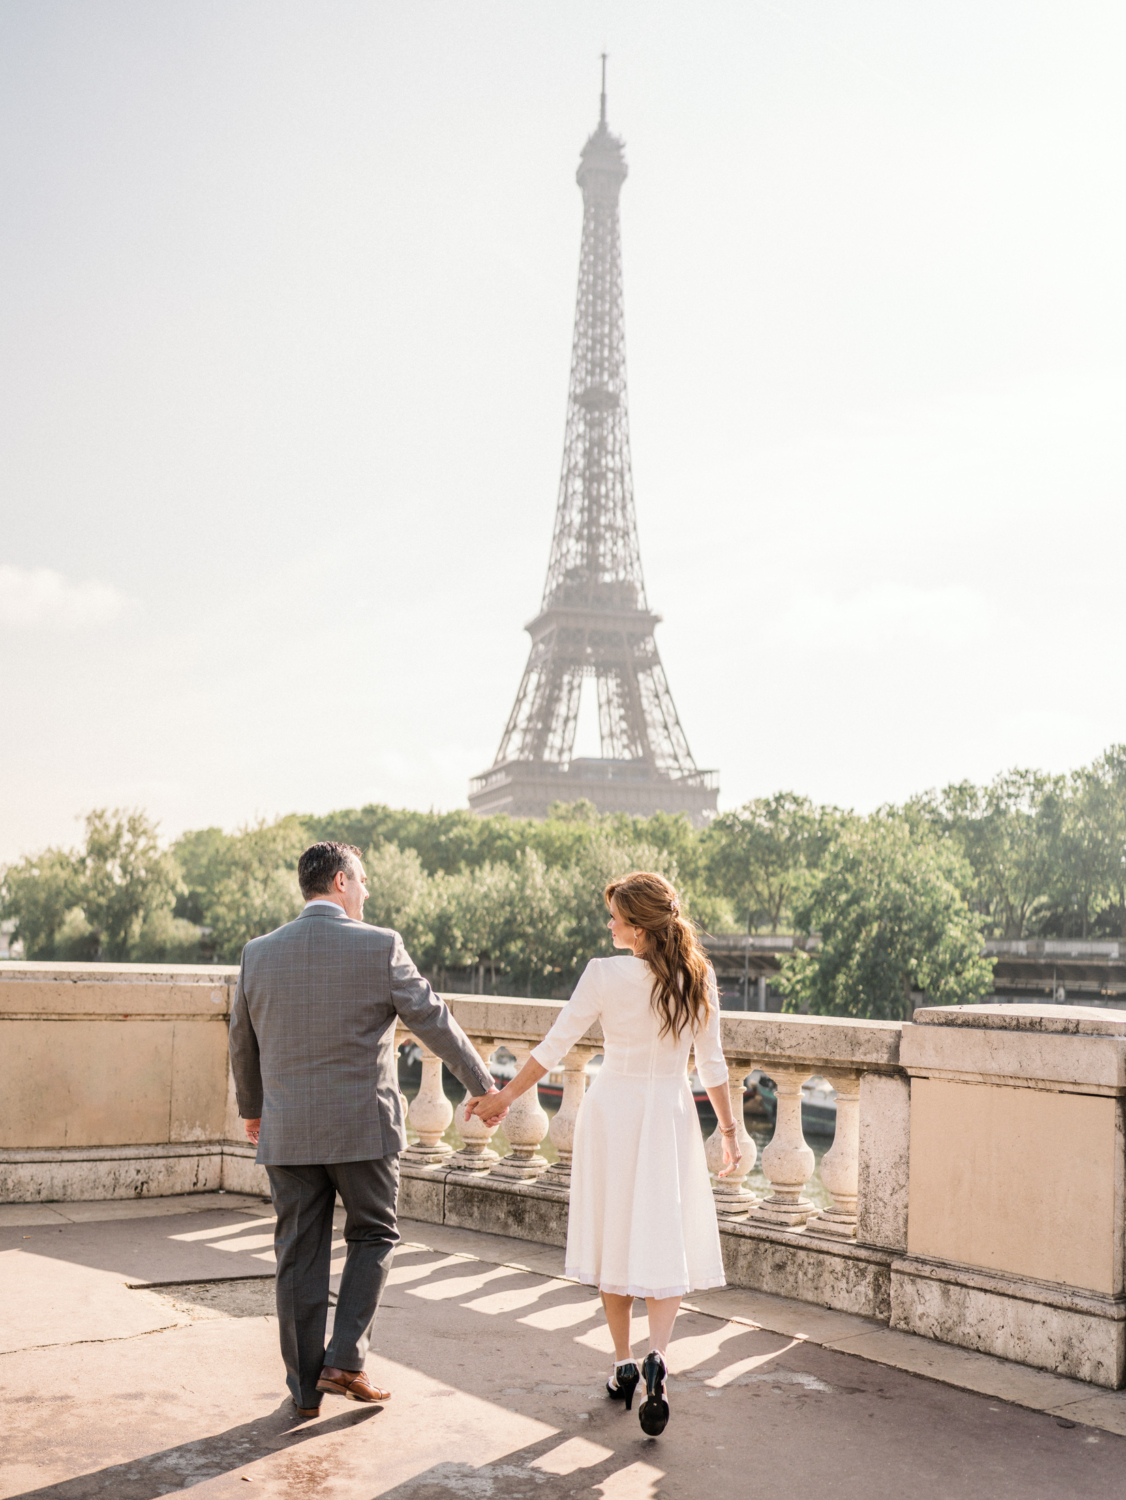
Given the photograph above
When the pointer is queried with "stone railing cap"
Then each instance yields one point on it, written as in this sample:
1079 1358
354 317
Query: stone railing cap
115 973
1068 1020
763 1037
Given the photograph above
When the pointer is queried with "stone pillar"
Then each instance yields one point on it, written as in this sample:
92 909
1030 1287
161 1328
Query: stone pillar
840 1166
562 1128
885 1154
732 1197
430 1114
476 1155
525 1128
787 1162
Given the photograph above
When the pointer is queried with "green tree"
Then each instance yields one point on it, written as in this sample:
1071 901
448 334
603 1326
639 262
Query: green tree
448 843
37 893
112 899
1104 802
401 896
445 842
1010 832
890 918
165 938
248 884
510 922
124 878
199 856
1078 882
760 856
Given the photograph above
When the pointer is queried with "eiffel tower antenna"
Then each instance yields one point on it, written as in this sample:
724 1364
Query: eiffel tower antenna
594 622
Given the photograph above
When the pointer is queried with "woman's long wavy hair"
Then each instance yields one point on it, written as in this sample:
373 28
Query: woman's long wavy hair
672 949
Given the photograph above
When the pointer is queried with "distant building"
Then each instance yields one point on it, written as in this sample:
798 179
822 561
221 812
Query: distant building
594 621
1041 971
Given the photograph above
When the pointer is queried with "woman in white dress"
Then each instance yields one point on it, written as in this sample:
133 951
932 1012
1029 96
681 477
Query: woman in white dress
642 1218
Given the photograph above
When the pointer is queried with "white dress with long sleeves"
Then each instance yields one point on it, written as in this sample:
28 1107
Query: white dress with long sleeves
642 1218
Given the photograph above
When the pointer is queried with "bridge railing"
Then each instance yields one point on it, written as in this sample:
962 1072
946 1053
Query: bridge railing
791 1049
977 1174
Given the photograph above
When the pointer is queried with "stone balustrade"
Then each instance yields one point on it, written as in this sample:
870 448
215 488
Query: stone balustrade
791 1049
977 1173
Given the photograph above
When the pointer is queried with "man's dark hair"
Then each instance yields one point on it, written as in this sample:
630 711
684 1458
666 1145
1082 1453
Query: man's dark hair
318 867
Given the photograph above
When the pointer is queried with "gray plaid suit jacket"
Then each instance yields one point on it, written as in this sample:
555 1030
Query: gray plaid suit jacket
313 1039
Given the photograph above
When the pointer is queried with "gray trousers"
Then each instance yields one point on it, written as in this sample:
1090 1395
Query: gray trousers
304 1198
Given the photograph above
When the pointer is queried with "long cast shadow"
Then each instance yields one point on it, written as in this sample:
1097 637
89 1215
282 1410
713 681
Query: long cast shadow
513 1477
204 1458
147 1249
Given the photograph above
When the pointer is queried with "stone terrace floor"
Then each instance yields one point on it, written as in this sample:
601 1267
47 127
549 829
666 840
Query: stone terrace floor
495 1363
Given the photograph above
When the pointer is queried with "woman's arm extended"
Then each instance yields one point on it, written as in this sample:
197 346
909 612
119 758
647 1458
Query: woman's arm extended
576 1017
491 1107
720 1096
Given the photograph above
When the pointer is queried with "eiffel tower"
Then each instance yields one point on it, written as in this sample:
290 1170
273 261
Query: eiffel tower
594 620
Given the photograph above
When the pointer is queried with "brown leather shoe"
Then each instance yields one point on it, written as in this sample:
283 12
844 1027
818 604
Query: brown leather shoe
353 1383
307 1411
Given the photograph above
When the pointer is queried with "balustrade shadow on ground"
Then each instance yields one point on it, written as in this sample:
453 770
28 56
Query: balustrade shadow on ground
114 1083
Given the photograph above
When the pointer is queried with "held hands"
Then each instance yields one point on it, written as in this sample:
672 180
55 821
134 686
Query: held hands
491 1108
252 1129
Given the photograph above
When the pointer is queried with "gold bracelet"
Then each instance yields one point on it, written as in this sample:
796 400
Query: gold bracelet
728 1129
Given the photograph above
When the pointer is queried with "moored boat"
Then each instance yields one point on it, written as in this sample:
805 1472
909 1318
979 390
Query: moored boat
818 1104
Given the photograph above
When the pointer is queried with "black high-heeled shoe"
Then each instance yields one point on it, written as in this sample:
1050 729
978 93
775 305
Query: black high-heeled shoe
654 1413
625 1381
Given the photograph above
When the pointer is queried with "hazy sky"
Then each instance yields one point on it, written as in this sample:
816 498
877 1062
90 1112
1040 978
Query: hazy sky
286 304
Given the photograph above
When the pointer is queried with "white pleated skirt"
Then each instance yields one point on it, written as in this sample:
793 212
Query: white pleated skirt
642 1219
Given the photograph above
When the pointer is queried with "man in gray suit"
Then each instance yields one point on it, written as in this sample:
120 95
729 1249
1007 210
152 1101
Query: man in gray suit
315 1071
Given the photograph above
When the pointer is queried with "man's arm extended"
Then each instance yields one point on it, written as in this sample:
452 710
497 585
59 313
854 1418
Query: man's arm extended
428 1018
245 1066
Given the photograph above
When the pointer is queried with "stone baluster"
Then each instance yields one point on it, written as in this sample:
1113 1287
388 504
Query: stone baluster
476 1155
840 1166
732 1196
561 1131
430 1114
787 1162
525 1127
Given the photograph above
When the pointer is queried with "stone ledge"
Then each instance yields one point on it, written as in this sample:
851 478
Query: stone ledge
1038 1324
18 1155
492 1205
804 1267
785 1263
84 1174
111 973
1017 1059
1026 1288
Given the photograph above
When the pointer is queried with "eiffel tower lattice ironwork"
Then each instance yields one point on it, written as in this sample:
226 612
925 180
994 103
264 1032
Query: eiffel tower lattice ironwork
594 620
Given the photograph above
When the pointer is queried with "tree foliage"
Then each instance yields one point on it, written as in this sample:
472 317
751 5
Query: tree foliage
98 901
892 921
900 901
1047 853
247 884
761 855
